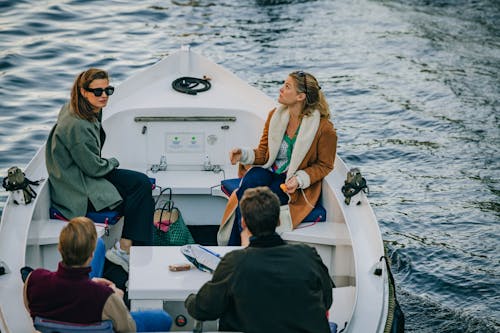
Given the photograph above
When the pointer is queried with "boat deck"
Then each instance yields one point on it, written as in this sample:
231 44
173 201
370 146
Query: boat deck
191 131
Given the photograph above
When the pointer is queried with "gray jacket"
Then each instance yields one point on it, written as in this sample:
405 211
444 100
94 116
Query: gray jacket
76 168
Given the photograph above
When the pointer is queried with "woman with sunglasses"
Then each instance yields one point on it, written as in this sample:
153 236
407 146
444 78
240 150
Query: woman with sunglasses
81 180
297 148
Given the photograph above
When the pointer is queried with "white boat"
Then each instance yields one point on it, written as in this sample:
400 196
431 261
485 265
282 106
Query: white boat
146 119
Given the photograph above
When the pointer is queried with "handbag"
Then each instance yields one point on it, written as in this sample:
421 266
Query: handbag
169 226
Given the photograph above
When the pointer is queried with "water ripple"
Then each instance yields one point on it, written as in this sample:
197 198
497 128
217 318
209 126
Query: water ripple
414 90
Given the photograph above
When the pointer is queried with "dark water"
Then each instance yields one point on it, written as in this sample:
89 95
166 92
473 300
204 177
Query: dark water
414 88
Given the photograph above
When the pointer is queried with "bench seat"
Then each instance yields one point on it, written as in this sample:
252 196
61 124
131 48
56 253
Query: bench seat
45 232
326 233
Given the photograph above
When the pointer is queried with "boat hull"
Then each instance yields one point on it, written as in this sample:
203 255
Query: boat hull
147 119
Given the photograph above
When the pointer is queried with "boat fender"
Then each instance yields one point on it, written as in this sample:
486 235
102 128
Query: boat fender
189 85
20 186
354 184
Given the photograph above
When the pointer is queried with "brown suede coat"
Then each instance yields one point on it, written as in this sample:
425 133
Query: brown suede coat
312 158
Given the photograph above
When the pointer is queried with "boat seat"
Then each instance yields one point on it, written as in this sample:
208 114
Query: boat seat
106 217
319 233
318 214
229 185
44 325
46 232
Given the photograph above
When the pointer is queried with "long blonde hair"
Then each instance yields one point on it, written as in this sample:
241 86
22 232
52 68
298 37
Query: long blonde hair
315 99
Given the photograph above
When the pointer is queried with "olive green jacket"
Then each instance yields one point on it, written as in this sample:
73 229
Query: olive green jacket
76 168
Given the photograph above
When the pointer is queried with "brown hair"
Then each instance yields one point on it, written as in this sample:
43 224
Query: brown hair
260 208
77 241
79 104
315 99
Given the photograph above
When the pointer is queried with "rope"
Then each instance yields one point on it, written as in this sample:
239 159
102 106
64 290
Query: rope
189 85
305 198
394 309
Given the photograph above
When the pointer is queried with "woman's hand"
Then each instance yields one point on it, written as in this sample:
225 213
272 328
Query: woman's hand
292 184
235 155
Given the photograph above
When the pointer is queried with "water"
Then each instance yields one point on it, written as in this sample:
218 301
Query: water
414 88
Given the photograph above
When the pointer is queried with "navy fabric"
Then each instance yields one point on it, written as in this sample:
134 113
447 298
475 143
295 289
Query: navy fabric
318 214
112 217
229 185
100 217
263 177
235 236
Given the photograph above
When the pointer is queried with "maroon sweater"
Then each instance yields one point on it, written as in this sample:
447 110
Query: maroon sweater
66 295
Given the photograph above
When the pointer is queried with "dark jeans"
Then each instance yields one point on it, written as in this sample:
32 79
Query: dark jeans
255 177
258 176
137 206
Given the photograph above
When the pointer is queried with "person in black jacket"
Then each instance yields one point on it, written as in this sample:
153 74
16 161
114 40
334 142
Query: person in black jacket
270 286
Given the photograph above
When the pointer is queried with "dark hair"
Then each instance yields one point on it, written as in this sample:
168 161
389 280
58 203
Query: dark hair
77 241
315 99
260 208
79 104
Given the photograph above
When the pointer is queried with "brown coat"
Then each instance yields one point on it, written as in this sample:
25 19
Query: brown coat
312 158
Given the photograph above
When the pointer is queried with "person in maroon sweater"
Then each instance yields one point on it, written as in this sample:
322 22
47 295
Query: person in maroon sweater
69 295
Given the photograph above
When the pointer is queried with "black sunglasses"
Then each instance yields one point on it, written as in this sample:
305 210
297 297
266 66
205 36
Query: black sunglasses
98 91
303 75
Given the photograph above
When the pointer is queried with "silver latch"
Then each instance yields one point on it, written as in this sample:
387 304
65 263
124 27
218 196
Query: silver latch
162 166
207 165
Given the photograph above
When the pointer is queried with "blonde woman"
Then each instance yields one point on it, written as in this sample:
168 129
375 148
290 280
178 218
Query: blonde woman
297 148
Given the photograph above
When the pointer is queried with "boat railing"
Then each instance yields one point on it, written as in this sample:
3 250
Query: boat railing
367 247
14 231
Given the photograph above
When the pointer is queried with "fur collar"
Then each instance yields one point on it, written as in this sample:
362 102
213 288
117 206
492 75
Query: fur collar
305 137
